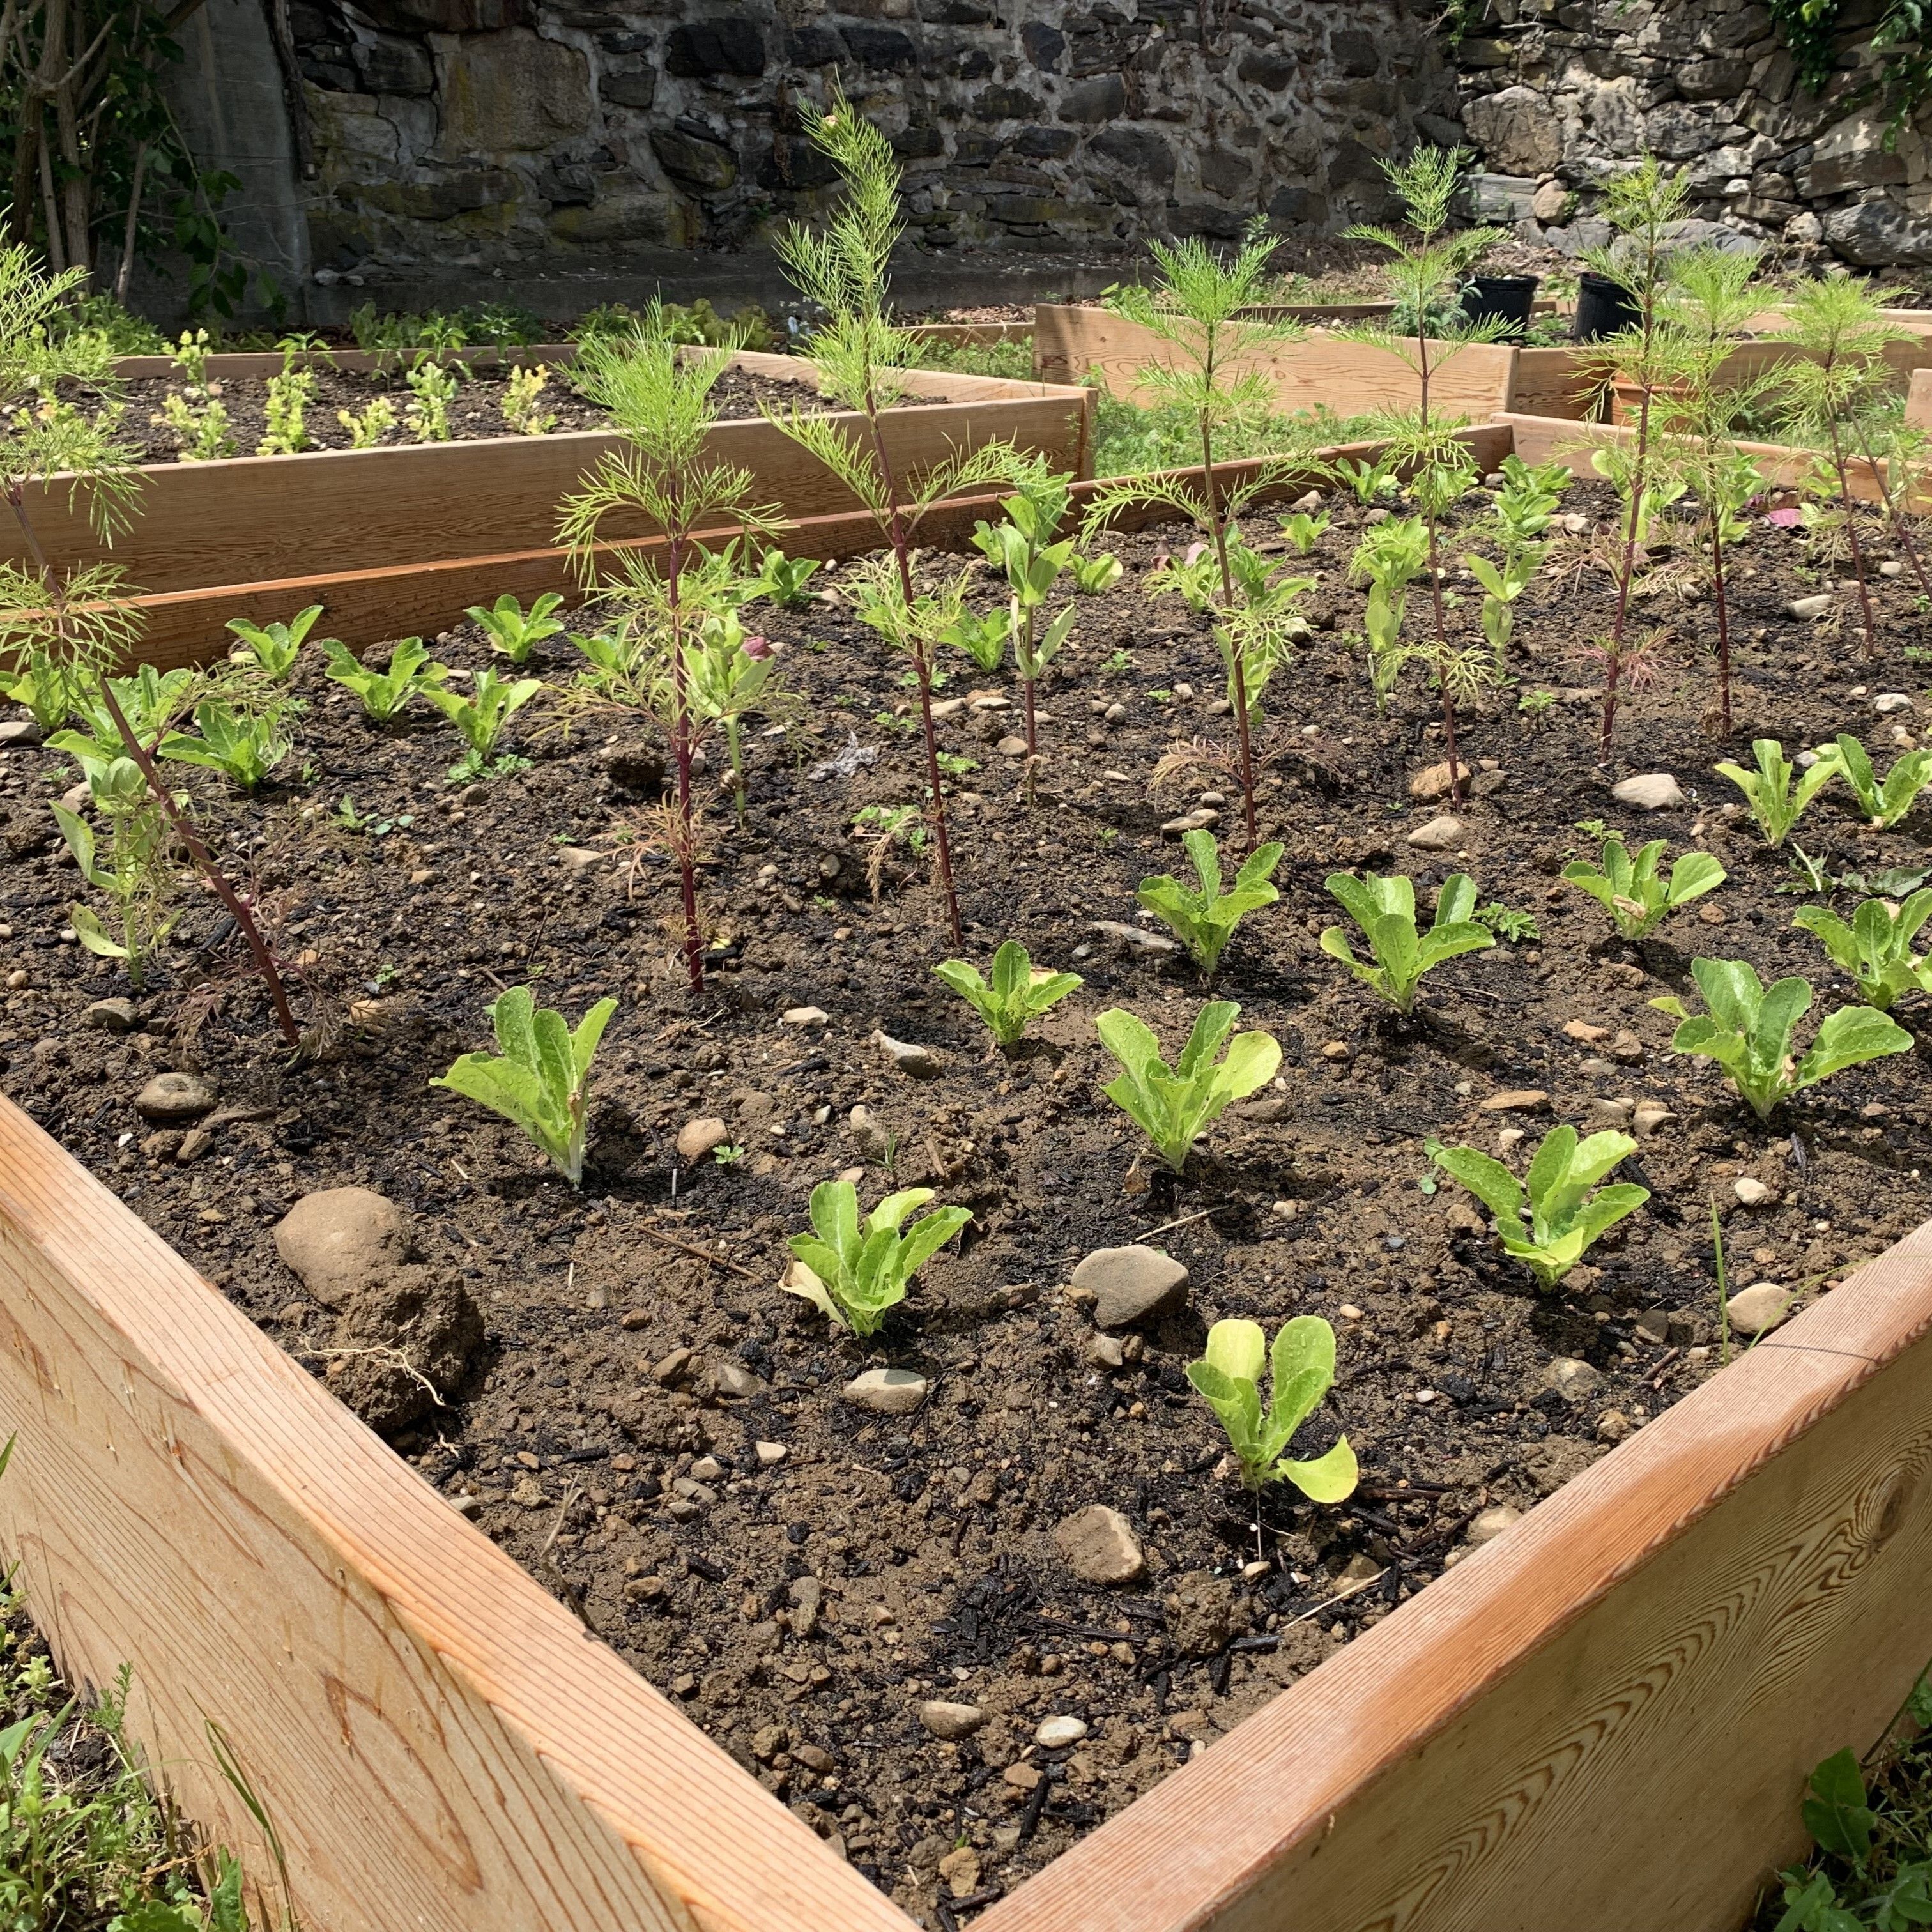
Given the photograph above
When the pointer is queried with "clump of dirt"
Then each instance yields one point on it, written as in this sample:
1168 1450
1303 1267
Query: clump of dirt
665 1436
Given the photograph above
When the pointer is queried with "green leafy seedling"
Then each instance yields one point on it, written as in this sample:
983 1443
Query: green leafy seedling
244 746
1093 574
1302 1366
1019 991
540 1080
1632 891
514 632
1303 531
853 1268
1776 802
411 670
1174 1106
1837 1815
273 648
1565 1217
481 716
1876 948
1748 1029
1384 909
782 580
1203 921
1881 805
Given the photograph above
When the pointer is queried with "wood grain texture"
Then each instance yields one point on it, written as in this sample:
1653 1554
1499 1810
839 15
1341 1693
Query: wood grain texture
443 1747
1603 1719
1918 400
1320 371
971 331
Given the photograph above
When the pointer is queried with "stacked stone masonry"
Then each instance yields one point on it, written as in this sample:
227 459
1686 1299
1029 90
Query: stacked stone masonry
511 133
1556 93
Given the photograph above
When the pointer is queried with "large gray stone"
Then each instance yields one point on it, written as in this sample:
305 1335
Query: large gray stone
1879 235
1129 1283
1515 131
510 90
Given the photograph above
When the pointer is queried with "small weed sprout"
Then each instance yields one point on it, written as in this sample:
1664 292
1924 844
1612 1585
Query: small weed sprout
513 632
1875 948
482 717
1881 806
272 649
1748 1030
1384 909
1776 802
1174 1106
368 427
1637 896
289 394
523 411
411 671
1017 992
1301 1365
1203 921
891 825
853 1267
1513 927
1566 1216
539 1080
432 387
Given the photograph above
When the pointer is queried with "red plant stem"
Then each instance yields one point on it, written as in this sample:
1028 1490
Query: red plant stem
1723 625
1852 533
1217 529
680 740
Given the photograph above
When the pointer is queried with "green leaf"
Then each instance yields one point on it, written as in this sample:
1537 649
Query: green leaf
1849 1037
1327 1479
1836 1813
1238 1349
1487 1179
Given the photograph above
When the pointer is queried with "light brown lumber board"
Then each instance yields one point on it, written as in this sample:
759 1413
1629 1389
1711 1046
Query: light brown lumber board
1603 1721
368 607
1552 383
441 1745
971 331
1919 400
1350 378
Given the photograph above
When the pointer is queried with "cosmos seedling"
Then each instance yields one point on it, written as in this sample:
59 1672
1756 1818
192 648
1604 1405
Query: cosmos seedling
1174 1106
1018 991
853 1268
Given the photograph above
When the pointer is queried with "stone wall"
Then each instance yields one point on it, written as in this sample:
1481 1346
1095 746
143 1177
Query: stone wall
516 138
1558 93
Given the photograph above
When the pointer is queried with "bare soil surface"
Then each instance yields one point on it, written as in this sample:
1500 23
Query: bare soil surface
635 1350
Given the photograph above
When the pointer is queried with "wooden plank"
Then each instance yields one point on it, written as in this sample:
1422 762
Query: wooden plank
1551 382
1919 400
441 1745
1318 372
971 331
1603 1719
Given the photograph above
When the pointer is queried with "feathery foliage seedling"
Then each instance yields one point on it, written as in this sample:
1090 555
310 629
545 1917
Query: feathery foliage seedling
1384 909
1204 920
660 401
1876 948
1018 991
539 1078
523 411
842 268
1776 801
482 717
853 1267
1174 1106
513 632
1748 1030
1880 805
1301 1366
1568 1210
272 649
1636 894
411 670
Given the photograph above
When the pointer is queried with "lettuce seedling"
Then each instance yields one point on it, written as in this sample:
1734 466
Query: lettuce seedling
1302 1363
245 746
273 648
1020 990
482 717
1775 802
1631 891
1565 1217
854 1268
1881 805
983 639
1303 531
1369 480
1174 1106
1876 948
384 693
541 1082
1748 1029
513 632
782 579
1093 574
1204 921
1384 909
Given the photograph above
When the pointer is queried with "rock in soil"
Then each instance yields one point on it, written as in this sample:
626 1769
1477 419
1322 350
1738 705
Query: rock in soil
1651 791
1754 1310
402 1347
1058 1733
18 734
1570 1378
1098 1545
1487 1524
1440 835
114 1015
696 1139
886 1391
174 1096
342 1238
1751 1192
1130 1283
915 1061
950 1722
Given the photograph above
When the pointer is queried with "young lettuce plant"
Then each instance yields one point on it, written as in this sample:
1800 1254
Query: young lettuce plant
1304 532
1017 992
1302 1365
482 717
411 672
272 649
782 580
1093 574
514 632
1633 892
853 1267
1776 802
1876 948
727 672
1174 1106
243 741
1748 1032
1023 548
1384 909
1203 921
1565 1216
1389 558
540 1080
1881 806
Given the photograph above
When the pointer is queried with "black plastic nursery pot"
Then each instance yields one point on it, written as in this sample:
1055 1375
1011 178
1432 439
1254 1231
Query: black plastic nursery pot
1603 308
1506 298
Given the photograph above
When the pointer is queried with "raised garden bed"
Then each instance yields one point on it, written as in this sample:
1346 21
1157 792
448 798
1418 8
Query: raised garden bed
406 539
191 1501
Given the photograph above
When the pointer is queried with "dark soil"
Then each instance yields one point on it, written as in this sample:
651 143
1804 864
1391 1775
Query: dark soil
475 412
801 1611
